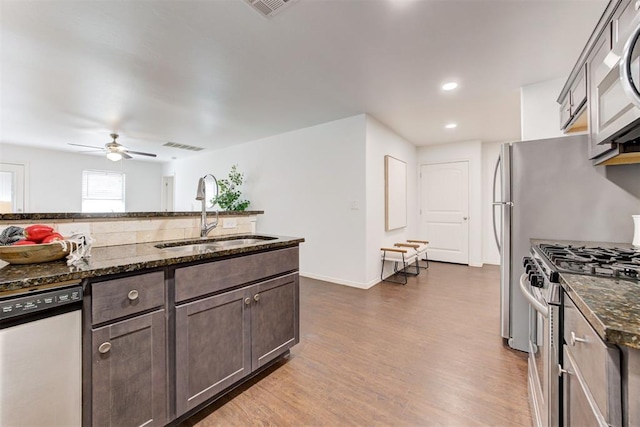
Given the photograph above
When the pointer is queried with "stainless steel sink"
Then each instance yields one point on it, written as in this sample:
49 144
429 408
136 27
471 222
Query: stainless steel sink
238 242
212 245
198 247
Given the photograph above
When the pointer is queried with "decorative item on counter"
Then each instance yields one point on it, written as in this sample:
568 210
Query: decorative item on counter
79 248
11 235
636 233
40 243
229 195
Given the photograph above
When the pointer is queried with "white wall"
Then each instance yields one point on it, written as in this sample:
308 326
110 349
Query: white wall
383 141
540 113
55 178
305 181
490 154
470 151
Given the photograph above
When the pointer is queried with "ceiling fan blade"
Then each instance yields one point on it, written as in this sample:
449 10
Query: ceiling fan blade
139 153
125 155
87 146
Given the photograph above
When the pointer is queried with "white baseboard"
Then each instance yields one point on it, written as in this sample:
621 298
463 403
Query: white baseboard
475 264
339 281
492 261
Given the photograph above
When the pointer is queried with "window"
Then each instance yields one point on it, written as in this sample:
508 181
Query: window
102 191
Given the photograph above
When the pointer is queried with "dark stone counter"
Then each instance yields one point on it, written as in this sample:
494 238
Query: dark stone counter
123 259
611 306
114 215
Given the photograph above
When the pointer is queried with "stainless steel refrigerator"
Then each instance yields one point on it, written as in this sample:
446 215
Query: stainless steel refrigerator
549 189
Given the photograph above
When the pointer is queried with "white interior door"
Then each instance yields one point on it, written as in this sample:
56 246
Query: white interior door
445 210
12 189
166 202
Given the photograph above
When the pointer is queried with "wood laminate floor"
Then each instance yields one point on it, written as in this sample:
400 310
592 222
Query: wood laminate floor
428 353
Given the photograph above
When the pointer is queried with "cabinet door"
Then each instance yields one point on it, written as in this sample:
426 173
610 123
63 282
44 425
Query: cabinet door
274 318
600 104
580 410
213 350
129 382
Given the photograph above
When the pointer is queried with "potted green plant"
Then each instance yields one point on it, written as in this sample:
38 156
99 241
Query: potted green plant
229 192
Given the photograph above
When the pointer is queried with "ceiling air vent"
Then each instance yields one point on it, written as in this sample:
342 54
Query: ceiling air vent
269 8
182 146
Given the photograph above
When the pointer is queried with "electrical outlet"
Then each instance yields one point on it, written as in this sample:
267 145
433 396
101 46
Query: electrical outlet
355 205
229 223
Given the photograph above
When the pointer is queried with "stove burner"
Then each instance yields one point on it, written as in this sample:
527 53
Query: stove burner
618 263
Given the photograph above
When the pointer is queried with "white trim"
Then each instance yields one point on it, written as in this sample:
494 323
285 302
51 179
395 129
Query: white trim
475 264
340 281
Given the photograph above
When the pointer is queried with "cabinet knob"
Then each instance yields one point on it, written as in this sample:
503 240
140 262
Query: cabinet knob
575 339
104 347
133 295
247 300
256 297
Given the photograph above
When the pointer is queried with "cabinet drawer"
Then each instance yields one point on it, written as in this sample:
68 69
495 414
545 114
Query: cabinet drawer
598 362
203 279
129 295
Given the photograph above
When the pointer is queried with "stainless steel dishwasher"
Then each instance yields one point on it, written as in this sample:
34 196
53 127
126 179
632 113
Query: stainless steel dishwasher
40 358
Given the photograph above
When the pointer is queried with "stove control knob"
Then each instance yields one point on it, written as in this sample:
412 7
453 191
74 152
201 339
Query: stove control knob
535 280
526 261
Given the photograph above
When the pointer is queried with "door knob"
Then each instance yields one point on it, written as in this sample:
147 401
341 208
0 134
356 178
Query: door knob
465 218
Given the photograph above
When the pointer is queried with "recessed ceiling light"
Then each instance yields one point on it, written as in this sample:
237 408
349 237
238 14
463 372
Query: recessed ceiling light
449 86
450 125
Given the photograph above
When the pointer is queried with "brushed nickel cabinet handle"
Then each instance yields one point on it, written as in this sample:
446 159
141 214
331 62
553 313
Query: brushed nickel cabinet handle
562 371
256 297
133 295
247 300
575 339
105 347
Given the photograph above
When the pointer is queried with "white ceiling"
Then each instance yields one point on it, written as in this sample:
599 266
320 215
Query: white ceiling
214 73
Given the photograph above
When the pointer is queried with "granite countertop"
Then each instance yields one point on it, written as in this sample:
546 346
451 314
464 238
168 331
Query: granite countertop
126 258
611 306
113 215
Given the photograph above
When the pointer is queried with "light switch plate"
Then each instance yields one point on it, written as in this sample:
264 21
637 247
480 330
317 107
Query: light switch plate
229 223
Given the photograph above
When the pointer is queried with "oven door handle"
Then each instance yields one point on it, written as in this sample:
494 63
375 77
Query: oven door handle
537 305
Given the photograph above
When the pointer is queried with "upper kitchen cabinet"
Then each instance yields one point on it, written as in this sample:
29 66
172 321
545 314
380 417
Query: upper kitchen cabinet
573 109
610 64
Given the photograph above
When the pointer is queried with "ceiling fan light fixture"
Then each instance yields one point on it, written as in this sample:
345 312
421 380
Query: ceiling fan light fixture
114 156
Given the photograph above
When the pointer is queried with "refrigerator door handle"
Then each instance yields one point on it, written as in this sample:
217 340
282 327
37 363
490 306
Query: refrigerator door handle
493 211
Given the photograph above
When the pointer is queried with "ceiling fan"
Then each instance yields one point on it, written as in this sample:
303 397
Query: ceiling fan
115 151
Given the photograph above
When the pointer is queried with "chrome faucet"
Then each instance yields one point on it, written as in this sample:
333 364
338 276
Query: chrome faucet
201 195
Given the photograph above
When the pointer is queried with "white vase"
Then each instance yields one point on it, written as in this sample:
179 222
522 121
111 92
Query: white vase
636 232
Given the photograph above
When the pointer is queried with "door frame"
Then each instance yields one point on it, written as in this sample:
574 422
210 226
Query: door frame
470 220
25 183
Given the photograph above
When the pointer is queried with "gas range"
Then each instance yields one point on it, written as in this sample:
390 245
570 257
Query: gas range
610 262
548 259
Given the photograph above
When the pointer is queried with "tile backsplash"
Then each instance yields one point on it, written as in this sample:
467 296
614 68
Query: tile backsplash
112 232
